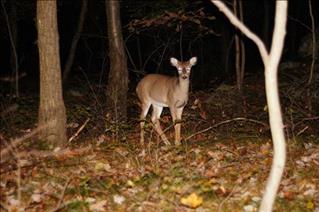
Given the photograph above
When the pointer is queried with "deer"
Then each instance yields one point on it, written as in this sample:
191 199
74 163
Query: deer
161 91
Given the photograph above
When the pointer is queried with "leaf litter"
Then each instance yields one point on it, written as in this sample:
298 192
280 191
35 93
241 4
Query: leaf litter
222 169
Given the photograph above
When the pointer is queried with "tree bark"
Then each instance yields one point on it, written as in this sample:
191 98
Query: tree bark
51 109
118 76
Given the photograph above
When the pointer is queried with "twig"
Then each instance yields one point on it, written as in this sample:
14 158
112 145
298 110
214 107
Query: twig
302 131
301 23
228 196
79 130
226 122
307 119
58 207
19 178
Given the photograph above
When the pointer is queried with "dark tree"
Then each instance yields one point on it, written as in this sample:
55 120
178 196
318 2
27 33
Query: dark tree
118 76
51 111
75 40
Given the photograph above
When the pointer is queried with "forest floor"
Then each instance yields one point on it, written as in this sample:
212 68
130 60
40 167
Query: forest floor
222 164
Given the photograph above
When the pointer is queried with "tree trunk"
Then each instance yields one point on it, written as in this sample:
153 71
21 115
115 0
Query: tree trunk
225 44
51 110
266 23
237 55
14 55
271 61
242 46
240 56
75 40
12 32
314 56
118 76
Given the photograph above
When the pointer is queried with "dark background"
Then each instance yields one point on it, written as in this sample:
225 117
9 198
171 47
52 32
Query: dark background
149 48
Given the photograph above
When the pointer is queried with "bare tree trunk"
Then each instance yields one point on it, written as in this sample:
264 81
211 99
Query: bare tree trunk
314 56
271 61
240 49
266 23
275 115
75 40
51 108
118 76
12 32
242 46
237 55
240 56
226 44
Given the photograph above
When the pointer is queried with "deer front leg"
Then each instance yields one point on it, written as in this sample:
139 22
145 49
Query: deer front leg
157 125
177 118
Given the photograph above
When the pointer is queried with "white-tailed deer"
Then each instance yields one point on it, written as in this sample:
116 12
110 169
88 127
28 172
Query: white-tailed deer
164 91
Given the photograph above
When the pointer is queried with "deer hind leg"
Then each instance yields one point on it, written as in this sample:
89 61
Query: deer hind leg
177 118
157 111
145 107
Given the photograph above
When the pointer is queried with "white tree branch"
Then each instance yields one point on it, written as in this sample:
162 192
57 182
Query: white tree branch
271 62
275 117
236 22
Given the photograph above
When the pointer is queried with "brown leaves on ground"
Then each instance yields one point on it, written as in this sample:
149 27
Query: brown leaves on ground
228 174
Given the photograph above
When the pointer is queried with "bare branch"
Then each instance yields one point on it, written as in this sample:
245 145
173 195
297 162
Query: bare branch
79 130
271 62
236 22
226 122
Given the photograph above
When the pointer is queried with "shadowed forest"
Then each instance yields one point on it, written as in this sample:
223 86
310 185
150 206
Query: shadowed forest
157 105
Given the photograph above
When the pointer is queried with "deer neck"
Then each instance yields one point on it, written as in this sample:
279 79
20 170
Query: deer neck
183 85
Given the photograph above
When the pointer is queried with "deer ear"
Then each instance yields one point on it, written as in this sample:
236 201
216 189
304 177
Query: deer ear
174 61
193 61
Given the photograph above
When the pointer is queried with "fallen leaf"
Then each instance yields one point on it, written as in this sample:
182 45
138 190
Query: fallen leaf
98 206
130 183
36 197
310 205
100 166
289 195
203 114
118 199
192 200
250 208
90 200
265 149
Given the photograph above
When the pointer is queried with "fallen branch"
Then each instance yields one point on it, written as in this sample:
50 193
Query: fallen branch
64 153
226 122
79 130
57 154
58 207
16 142
220 206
